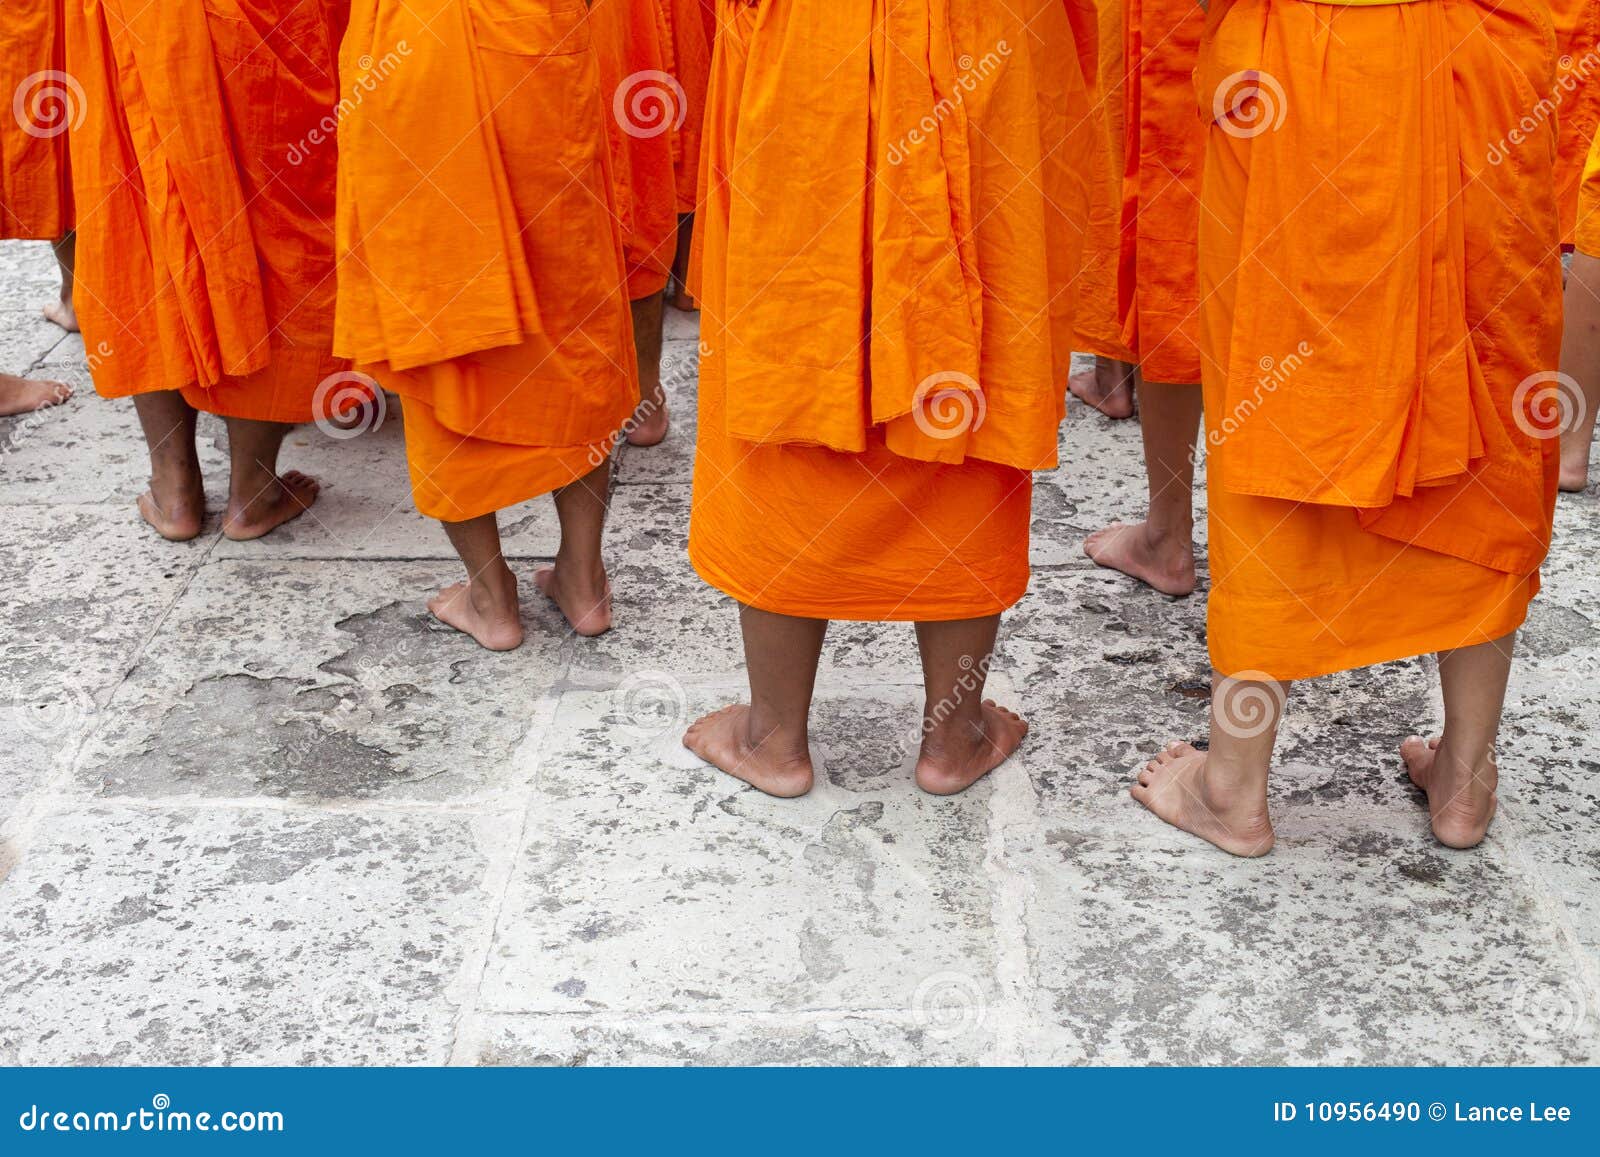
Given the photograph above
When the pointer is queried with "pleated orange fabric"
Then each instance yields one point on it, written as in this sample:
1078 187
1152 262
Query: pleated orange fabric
646 109
1576 98
1097 319
1375 327
690 66
35 192
205 219
887 311
480 264
1586 235
1163 152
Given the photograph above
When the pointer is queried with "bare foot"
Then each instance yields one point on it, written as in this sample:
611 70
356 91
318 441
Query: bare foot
684 303
723 740
649 425
495 620
952 761
175 507
25 395
1175 787
1461 799
1574 470
285 498
1108 387
63 314
1164 563
587 605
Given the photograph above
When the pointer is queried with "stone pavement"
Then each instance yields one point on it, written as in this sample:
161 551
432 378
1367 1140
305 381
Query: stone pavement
257 808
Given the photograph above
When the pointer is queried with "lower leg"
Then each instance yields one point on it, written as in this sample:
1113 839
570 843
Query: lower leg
1580 360
1220 795
964 736
577 582
1458 771
1160 550
175 504
1108 387
680 264
648 426
259 498
485 606
61 311
766 743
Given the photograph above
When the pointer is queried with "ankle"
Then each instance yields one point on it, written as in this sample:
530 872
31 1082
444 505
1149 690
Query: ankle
585 573
955 733
780 742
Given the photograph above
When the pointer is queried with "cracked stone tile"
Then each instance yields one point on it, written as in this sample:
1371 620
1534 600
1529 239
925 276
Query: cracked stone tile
845 1039
29 277
670 620
651 882
27 339
673 459
322 681
84 585
144 936
30 751
1350 946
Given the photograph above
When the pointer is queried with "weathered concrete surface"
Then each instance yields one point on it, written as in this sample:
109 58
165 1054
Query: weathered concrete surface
256 807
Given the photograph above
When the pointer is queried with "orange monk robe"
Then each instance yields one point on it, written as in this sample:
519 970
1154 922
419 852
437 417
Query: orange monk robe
35 193
1586 235
689 64
480 264
644 109
1098 321
1577 96
887 314
205 217
1373 321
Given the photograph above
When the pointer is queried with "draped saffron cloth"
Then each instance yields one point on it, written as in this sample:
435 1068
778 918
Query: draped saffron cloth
1375 326
886 286
44 100
205 216
1586 234
1576 100
480 261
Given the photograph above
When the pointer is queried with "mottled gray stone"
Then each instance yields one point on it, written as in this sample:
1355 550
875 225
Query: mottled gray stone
218 936
673 459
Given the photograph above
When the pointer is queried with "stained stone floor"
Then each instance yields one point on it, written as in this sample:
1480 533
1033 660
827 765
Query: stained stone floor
256 807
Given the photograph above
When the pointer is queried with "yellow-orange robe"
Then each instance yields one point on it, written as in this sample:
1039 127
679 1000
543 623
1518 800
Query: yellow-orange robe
1375 324
1577 98
1586 235
646 108
1140 292
1096 317
35 193
887 319
690 65
480 265
205 214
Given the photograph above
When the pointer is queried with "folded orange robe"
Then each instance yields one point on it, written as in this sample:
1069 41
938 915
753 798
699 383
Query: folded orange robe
646 109
206 255
1374 326
1097 319
887 315
1586 235
35 193
480 264
1577 97
690 66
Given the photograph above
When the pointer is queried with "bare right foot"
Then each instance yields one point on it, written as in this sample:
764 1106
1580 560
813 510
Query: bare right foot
1166 564
1461 799
1574 469
473 609
25 395
649 424
176 508
586 604
952 760
1174 786
723 740
1108 387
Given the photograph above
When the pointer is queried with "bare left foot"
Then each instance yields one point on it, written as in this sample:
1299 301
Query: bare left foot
649 425
473 609
586 604
284 498
723 740
63 314
1108 387
1574 469
1174 786
25 395
1163 563
1461 800
956 756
